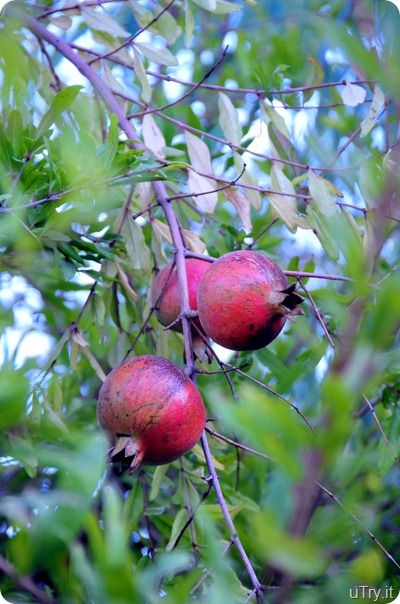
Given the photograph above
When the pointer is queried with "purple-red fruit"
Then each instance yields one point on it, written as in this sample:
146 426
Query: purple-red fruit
244 300
165 300
151 411
165 297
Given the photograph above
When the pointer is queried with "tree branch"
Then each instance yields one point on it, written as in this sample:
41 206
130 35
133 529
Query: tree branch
109 99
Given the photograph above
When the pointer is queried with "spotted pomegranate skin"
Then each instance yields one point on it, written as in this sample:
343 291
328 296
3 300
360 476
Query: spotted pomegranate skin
244 300
151 411
167 308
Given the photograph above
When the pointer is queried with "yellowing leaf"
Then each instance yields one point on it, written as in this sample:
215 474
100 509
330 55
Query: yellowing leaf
270 114
220 7
152 136
94 364
141 76
63 22
229 120
127 286
285 206
199 153
353 95
377 105
247 178
323 194
287 213
111 80
162 229
158 55
103 21
194 241
241 204
203 192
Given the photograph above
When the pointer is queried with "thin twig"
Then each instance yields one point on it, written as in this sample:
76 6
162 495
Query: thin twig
358 521
24 582
317 313
272 391
381 430
238 445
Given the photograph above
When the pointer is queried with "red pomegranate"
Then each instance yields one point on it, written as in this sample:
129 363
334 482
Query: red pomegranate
244 300
151 412
165 298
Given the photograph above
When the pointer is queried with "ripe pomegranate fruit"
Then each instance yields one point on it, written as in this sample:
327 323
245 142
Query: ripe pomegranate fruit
151 412
165 298
244 300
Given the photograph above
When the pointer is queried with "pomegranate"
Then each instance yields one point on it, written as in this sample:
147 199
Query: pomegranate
244 300
151 412
165 299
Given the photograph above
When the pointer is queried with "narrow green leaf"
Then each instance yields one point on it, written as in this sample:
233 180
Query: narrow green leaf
321 225
157 479
14 132
189 24
57 350
60 103
178 524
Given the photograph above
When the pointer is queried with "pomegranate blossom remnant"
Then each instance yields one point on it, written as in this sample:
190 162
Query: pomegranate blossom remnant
151 412
244 300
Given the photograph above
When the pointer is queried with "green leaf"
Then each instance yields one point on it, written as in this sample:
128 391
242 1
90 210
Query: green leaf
60 103
134 243
315 76
322 226
14 132
14 391
178 524
189 24
157 480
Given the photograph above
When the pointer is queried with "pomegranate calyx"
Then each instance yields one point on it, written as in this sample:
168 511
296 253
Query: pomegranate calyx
128 452
292 299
